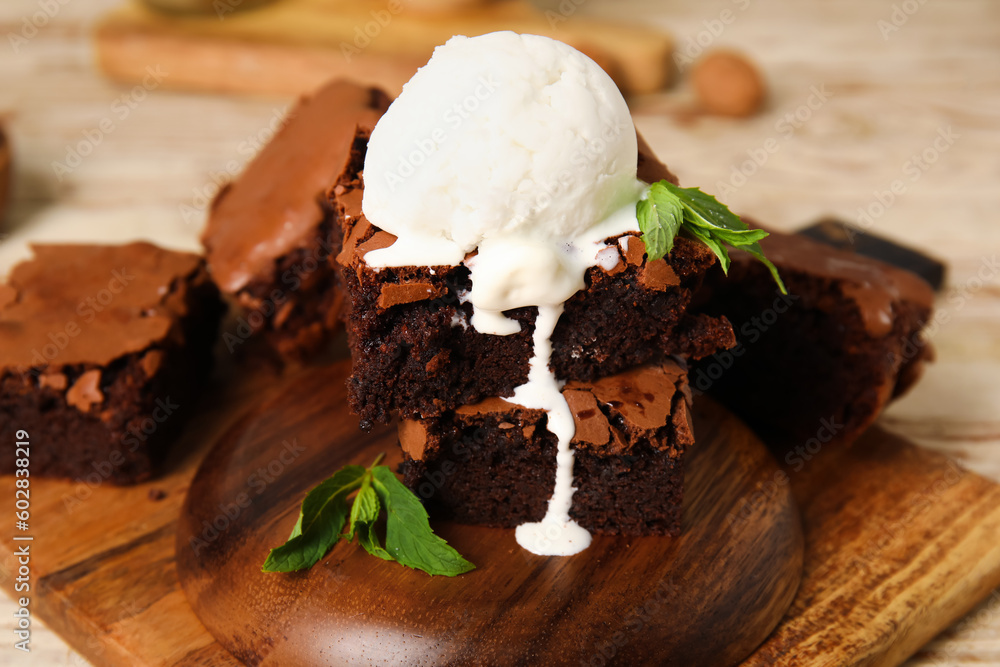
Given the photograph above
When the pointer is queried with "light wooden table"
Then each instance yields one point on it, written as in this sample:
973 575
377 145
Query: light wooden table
876 101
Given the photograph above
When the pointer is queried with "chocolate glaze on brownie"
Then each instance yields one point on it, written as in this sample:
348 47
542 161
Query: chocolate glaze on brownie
824 362
103 350
270 236
493 463
415 352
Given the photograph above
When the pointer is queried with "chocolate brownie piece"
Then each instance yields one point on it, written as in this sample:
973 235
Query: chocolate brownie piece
4 172
269 237
493 463
102 352
415 352
823 361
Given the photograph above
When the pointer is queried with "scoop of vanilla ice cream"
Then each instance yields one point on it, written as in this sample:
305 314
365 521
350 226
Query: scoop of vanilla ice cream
502 141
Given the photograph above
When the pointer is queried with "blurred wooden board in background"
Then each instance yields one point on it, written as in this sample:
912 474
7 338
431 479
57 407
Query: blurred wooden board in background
293 46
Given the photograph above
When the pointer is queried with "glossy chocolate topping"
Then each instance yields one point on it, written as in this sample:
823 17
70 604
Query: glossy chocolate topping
277 203
645 399
871 284
90 304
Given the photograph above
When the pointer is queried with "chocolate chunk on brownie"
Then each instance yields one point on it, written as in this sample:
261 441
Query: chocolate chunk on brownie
102 352
416 353
270 235
825 360
493 463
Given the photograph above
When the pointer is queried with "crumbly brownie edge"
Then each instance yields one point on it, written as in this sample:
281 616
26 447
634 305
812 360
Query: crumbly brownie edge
812 373
146 398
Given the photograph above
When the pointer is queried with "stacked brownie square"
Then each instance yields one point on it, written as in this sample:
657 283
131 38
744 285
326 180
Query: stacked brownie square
620 344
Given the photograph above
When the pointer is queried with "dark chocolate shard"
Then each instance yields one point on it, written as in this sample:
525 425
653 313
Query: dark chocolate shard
847 237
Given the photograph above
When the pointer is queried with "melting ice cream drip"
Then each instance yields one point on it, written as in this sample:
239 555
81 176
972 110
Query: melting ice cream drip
556 534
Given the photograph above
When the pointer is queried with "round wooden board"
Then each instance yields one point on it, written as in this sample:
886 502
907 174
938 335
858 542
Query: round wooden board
709 597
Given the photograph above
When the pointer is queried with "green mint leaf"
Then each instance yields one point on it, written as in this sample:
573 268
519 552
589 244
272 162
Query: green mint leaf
707 207
365 507
408 536
660 218
369 540
652 234
668 209
321 519
713 243
364 514
756 251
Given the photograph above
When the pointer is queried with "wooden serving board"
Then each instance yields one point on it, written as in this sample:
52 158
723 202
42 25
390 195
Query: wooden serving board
655 600
294 46
899 543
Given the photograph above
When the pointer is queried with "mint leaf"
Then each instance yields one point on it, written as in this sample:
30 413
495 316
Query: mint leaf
408 535
660 218
364 514
756 251
369 540
321 519
667 209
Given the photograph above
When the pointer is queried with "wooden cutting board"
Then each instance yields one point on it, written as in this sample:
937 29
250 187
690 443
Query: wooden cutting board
655 600
293 46
899 543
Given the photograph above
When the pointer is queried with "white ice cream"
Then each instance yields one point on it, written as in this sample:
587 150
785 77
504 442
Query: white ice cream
522 149
515 145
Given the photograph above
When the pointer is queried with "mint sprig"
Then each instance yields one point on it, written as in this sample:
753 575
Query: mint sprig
667 210
409 539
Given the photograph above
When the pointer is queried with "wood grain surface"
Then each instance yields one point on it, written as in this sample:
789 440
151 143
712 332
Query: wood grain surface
888 97
294 46
653 600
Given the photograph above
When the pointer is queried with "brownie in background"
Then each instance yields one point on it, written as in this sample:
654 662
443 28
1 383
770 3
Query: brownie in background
103 353
822 362
270 236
